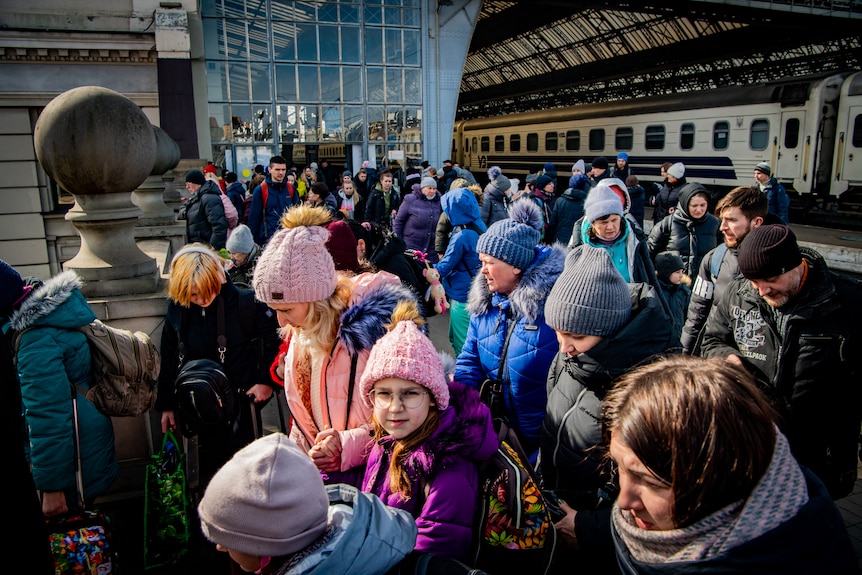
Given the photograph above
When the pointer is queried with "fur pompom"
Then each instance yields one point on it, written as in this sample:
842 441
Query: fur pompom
526 211
493 172
304 215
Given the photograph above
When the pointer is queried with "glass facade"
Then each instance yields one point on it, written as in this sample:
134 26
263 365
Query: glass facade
313 79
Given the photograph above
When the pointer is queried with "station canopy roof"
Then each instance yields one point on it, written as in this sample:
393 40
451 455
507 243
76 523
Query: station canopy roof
539 54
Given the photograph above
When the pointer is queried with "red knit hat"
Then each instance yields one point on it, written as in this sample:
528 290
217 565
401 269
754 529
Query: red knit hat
342 246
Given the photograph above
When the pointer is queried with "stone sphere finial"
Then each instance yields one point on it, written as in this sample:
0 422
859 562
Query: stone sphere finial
167 152
92 140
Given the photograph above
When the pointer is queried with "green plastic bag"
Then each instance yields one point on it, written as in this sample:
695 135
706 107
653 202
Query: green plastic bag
166 517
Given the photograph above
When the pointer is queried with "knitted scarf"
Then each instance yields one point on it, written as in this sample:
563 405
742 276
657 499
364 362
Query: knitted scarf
779 495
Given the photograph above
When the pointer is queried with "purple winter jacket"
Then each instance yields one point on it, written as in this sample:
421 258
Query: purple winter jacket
443 475
416 222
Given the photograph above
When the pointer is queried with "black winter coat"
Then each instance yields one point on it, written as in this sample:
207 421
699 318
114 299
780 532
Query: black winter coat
205 218
572 447
375 209
806 356
568 209
666 199
688 238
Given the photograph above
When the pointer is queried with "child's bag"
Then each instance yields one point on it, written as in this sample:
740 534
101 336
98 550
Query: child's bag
81 543
166 517
514 532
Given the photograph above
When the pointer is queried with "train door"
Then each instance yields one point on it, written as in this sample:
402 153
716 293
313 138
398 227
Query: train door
788 157
849 167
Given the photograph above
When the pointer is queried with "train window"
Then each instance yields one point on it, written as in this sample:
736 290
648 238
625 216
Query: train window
499 143
515 143
758 135
686 136
721 135
486 144
857 131
597 139
791 133
466 145
550 141
532 142
573 140
475 147
624 138
654 138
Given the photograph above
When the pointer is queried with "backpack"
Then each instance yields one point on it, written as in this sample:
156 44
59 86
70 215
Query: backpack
417 265
513 530
229 211
125 369
204 396
246 203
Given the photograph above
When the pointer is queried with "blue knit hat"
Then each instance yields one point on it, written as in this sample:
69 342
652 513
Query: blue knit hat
623 156
590 297
602 201
543 181
11 288
514 239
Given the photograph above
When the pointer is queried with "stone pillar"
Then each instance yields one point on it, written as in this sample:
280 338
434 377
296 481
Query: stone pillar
150 194
98 145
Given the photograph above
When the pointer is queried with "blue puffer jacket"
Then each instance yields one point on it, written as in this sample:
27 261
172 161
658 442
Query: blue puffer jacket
460 263
532 346
51 359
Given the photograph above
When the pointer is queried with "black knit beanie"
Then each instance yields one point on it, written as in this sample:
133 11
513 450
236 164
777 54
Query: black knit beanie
768 251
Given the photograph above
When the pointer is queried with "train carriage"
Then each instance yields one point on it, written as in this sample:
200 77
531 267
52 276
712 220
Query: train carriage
720 135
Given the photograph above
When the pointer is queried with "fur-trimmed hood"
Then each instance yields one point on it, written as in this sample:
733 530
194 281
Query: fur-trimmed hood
50 297
465 431
528 297
364 322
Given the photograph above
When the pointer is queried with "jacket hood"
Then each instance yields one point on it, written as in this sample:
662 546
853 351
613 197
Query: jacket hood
579 182
646 334
465 430
365 536
685 194
45 305
528 297
364 322
209 187
461 207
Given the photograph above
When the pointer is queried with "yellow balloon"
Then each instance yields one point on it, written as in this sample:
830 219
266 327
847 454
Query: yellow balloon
246 173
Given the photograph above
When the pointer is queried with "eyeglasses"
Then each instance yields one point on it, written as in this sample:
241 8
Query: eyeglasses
410 399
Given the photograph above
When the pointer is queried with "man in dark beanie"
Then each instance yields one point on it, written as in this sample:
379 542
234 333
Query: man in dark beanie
794 325
203 211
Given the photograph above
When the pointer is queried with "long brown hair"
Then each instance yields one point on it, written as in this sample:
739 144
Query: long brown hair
399 479
700 425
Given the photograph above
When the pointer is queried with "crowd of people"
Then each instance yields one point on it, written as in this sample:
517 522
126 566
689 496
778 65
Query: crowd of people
686 396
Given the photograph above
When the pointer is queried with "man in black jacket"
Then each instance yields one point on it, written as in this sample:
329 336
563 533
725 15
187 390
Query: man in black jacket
794 325
204 211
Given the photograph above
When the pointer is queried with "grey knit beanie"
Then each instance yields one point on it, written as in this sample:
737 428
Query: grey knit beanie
602 201
268 500
590 297
514 239
240 240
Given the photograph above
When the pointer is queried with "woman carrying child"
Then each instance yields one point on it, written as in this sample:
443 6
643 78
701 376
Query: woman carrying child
429 437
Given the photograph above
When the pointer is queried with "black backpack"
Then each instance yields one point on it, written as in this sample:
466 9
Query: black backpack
204 396
203 392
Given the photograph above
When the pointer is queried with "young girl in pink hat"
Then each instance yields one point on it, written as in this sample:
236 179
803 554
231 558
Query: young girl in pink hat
429 436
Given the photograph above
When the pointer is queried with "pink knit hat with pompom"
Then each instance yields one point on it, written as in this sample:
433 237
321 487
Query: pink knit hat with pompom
295 267
407 353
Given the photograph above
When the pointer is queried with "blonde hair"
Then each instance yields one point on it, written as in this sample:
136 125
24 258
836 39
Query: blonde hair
323 318
196 267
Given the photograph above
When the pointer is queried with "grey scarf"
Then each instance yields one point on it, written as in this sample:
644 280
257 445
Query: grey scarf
779 495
